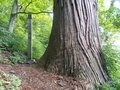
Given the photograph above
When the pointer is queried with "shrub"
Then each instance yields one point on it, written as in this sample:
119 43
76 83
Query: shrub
5 38
112 61
9 81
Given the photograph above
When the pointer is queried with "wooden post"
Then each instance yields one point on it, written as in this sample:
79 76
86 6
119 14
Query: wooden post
29 37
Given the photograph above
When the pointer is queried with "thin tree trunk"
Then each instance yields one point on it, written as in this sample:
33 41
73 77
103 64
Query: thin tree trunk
13 16
74 47
112 2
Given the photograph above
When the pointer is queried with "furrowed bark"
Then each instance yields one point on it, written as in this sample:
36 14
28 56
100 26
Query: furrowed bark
74 47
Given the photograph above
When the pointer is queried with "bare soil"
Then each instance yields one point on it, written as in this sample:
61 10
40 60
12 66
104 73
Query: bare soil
35 78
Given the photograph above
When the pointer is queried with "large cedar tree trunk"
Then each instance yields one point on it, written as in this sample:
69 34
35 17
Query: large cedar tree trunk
74 47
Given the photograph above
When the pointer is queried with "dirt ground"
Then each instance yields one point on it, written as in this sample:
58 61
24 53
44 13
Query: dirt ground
34 78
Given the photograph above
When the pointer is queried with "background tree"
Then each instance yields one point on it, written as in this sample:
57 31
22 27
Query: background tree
13 15
74 47
42 22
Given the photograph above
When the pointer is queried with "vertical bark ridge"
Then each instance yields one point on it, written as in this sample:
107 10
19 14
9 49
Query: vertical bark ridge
83 44
92 40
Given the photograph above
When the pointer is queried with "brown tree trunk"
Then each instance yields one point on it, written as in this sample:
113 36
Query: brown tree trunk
74 47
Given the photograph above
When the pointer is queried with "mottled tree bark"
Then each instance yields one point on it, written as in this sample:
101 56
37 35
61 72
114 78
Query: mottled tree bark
13 16
74 47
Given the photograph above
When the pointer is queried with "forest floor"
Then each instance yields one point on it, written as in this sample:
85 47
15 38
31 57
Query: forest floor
35 78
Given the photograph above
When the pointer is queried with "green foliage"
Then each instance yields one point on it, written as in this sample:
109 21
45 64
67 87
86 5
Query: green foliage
18 40
5 11
9 81
38 49
111 85
16 58
36 5
0 57
109 26
5 37
112 58
109 19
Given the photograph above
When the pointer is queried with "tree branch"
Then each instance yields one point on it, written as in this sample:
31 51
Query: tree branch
27 5
33 12
24 11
